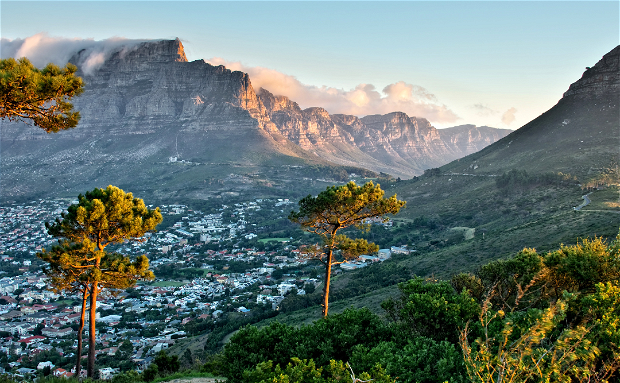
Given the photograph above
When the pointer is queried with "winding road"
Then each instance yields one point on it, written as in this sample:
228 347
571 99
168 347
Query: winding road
586 202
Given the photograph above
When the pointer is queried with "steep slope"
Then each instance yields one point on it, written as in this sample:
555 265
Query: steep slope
580 135
393 143
143 106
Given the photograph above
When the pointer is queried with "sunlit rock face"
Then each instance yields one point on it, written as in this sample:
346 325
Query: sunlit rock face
394 143
145 103
600 80
140 107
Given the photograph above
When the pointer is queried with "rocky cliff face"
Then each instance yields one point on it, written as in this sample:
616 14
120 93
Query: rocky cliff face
146 104
393 143
141 107
601 79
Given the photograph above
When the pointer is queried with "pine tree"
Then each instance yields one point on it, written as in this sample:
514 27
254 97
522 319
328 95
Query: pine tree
27 93
335 209
103 217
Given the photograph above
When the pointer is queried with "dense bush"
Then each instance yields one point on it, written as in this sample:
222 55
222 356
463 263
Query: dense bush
306 371
329 338
431 309
421 360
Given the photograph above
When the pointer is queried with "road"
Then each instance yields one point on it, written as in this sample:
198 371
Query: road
586 202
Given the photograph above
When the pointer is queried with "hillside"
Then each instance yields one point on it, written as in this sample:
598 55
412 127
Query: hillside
578 137
166 128
394 143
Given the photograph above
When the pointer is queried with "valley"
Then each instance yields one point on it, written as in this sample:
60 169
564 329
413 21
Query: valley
226 164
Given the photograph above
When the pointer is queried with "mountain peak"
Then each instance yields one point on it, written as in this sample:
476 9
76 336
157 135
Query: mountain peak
602 78
159 51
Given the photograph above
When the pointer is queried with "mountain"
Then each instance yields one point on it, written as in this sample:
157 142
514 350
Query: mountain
580 135
554 160
151 121
459 217
393 143
155 123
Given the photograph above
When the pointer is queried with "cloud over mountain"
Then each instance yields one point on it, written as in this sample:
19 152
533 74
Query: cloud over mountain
364 99
41 49
509 116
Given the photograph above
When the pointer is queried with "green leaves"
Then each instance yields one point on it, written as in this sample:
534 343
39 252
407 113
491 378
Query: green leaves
27 93
342 206
105 216
353 248
336 208
431 309
306 371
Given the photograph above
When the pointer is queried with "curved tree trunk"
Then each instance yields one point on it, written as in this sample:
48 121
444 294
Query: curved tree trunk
91 333
78 362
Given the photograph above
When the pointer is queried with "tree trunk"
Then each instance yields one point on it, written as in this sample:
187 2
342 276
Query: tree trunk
78 363
91 333
328 274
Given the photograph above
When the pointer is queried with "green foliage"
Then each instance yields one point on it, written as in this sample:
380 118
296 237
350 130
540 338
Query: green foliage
230 323
432 172
510 280
603 310
582 266
337 208
27 93
531 352
162 365
306 371
167 364
431 309
79 263
562 320
151 372
421 359
520 179
332 337
105 216
127 377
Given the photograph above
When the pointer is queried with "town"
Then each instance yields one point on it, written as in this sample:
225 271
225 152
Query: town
208 265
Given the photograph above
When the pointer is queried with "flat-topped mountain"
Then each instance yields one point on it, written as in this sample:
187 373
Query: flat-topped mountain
146 110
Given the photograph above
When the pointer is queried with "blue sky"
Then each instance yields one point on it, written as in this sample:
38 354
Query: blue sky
496 63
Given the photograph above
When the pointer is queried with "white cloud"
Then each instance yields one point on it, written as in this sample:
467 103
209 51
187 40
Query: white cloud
364 99
42 49
509 116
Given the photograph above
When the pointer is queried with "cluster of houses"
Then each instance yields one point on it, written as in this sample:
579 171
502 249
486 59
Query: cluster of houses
22 227
33 319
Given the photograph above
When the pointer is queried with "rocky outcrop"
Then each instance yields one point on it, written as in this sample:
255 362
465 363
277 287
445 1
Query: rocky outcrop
405 146
145 104
470 138
601 79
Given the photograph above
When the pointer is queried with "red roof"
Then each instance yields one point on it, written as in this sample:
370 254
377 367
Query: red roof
32 339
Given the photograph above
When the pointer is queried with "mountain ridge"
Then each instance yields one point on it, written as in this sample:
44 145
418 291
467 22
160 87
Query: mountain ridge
146 103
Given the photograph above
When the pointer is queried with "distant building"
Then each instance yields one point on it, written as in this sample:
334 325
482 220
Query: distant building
384 254
42 365
399 250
